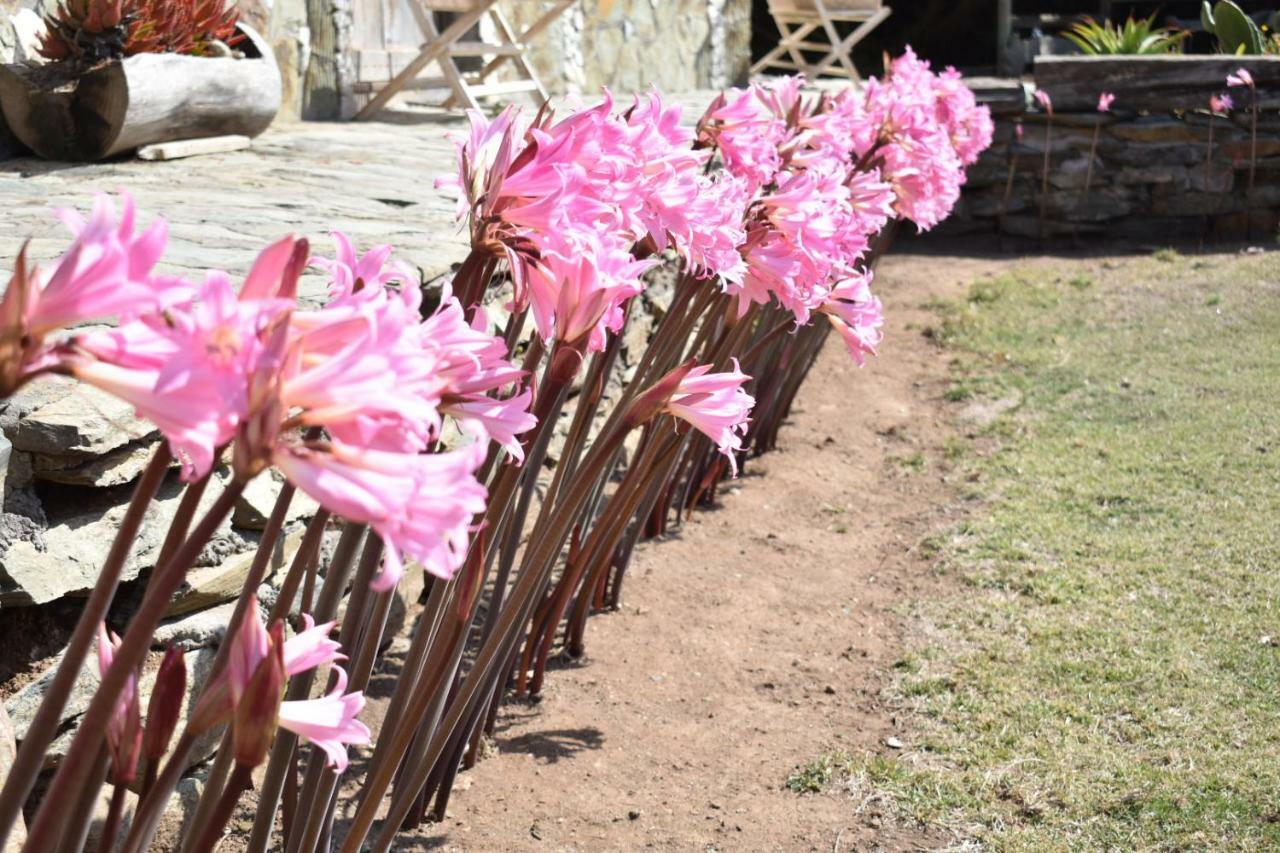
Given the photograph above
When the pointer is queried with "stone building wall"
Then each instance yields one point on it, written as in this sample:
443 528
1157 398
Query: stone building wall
1152 179
628 45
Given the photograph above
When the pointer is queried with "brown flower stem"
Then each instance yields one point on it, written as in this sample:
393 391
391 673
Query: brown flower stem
1208 157
240 779
149 810
298 568
210 796
1253 138
1008 192
79 817
72 775
30 756
360 635
602 541
1044 172
147 813
185 514
1093 152
367 569
541 549
111 826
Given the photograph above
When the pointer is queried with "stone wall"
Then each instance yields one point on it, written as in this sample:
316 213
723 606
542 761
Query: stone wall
1153 178
629 45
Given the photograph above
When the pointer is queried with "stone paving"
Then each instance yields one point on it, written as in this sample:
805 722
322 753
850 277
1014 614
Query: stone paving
375 181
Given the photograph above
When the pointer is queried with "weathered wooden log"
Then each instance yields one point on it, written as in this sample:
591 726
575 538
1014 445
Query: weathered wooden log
1155 83
143 99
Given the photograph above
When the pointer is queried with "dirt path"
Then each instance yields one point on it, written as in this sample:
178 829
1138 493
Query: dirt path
752 641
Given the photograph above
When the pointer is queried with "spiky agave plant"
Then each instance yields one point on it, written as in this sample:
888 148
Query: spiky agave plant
91 31
1134 36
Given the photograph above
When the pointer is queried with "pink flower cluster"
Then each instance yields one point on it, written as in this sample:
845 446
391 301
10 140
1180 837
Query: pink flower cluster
828 174
566 202
348 401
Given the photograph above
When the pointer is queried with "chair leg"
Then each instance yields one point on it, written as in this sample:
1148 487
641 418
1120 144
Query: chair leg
448 63
429 53
843 47
506 38
788 43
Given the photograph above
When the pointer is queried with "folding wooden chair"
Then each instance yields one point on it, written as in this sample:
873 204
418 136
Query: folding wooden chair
797 20
445 47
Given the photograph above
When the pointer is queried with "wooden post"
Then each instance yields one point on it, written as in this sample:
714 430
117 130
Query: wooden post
1004 29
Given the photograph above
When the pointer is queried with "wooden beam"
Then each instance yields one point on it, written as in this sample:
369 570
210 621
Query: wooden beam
1155 83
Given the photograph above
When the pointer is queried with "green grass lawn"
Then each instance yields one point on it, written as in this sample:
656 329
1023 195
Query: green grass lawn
1105 672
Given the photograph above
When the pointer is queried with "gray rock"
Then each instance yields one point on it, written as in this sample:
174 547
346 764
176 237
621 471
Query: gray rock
259 498
68 555
211 585
21 707
6 451
85 422
197 630
122 465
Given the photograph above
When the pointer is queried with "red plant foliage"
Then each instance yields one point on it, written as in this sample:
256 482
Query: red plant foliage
90 31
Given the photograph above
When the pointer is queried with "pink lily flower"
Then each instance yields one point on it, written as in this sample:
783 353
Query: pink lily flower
1043 99
578 290
329 722
421 505
105 273
856 315
1105 100
1221 104
715 405
187 370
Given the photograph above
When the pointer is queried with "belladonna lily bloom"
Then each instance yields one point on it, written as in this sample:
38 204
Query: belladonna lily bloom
1105 100
187 370
856 314
248 693
1043 99
1221 104
420 505
716 406
106 273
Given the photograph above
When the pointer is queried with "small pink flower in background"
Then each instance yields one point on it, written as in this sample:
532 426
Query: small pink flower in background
1221 104
856 315
1019 132
1240 77
1105 100
124 730
329 722
716 406
1043 99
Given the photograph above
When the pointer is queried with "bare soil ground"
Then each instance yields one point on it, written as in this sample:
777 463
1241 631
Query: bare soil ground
755 638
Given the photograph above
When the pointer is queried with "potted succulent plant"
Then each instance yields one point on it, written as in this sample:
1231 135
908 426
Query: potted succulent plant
124 73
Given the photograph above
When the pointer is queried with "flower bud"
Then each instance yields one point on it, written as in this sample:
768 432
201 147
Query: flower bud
256 717
654 399
165 705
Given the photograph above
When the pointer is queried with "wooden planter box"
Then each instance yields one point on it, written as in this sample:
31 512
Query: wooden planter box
148 98
1156 83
